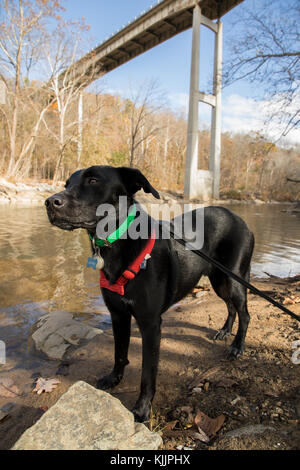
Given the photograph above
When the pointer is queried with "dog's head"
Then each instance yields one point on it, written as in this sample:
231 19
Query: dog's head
85 190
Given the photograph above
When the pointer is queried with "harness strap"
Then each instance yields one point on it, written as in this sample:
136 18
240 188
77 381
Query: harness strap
129 272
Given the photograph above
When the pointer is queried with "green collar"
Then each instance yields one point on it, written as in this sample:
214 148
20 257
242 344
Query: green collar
113 237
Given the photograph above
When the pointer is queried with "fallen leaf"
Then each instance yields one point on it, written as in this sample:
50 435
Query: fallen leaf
226 382
207 427
45 385
209 374
206 386
201 436
288 301
271 394
8 389
170 425
188 426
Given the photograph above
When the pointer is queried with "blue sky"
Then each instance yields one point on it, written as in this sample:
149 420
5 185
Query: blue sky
169 63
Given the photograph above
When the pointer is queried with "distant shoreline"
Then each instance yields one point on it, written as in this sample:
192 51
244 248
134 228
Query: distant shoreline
26 194
35 192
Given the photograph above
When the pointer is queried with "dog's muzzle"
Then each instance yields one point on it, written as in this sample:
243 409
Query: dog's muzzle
55 202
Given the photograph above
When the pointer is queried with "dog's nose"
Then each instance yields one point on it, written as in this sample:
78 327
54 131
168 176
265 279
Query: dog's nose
55 201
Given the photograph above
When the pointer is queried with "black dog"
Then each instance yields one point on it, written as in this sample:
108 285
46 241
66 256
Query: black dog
171 272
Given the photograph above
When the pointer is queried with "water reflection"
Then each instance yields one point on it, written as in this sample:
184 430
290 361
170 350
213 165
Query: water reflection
277 238
39 262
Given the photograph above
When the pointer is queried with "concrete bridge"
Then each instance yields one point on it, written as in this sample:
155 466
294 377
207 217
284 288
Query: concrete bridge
161 22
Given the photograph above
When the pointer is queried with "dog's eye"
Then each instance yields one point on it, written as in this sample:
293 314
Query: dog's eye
92 181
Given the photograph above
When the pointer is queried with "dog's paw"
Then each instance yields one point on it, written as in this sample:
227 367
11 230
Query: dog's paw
222 334
141 413
234 352
108 381
140 417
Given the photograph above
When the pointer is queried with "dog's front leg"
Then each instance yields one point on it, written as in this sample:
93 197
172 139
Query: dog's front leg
150 346
121 329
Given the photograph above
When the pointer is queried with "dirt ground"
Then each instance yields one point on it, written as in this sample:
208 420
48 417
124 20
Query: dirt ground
260 388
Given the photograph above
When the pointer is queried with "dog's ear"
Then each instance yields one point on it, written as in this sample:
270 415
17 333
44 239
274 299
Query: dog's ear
134 180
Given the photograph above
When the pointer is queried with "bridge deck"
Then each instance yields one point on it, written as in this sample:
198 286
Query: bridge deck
161 22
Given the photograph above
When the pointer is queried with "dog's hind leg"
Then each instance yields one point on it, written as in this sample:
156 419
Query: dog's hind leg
239 300
219 282
226 330
121 323
235 297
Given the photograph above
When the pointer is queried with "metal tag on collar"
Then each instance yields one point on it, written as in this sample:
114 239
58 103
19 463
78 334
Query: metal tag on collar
96 262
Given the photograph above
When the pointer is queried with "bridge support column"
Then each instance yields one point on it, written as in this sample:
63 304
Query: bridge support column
191 165
215 142
204 184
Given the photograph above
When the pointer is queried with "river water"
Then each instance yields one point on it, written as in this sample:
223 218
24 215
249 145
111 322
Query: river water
42 268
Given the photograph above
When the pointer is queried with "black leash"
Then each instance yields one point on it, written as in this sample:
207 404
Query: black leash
237 278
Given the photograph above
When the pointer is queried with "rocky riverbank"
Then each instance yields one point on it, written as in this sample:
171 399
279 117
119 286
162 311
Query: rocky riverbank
26 193
34 193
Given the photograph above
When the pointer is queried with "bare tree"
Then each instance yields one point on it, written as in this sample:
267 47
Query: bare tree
22 27
265 49
65 87
145 102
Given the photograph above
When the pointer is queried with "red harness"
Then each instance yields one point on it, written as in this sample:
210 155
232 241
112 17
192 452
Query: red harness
130 272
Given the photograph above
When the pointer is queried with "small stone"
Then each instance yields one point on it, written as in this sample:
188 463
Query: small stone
279 410
233 402
201 294
248 430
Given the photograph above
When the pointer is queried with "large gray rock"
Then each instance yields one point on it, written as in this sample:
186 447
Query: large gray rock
54 333
88 419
